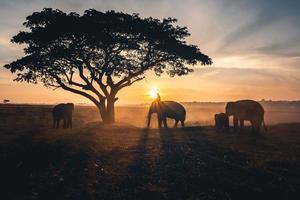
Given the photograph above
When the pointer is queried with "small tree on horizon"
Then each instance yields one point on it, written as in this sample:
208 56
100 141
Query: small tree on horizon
97 54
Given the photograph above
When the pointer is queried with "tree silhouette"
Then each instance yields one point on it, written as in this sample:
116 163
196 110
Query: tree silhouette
97 54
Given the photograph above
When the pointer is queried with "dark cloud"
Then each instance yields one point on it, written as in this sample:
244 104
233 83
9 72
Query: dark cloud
265 13
288 48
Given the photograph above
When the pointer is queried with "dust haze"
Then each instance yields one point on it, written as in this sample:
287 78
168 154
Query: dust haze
198 114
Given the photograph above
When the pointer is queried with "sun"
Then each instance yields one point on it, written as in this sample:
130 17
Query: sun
153 92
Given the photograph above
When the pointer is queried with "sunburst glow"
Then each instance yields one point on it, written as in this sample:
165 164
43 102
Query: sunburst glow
153 92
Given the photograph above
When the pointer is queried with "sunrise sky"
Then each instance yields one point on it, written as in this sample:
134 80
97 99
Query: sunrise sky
254 44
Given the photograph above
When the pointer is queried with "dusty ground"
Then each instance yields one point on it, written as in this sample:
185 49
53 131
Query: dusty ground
125 162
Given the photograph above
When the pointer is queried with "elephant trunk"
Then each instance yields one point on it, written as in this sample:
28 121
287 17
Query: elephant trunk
151 110
149 119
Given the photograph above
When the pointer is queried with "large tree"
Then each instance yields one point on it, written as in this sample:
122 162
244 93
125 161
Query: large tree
97 54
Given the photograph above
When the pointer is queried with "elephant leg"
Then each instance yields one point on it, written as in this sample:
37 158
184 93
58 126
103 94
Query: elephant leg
159 121
65 123
165 122
182 123
235 123
54 123
258 126
255 127
57 123
70 122
241 124
252 125
176 123
227 126
217 124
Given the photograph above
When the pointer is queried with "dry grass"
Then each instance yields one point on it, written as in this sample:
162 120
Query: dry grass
123 161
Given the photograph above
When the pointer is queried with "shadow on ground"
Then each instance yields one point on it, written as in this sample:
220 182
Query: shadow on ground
132 163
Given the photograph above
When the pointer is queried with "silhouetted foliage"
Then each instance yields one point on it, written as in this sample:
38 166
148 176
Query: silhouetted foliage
97 54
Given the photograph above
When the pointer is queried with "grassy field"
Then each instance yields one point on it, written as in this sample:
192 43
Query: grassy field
14 116
126 161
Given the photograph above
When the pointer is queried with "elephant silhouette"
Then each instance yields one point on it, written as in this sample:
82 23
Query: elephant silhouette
167 109
63 112
246 110
222 121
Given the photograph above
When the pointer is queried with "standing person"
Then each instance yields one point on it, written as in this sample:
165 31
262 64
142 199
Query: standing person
158 97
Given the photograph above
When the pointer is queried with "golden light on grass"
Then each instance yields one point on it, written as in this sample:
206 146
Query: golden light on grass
153 92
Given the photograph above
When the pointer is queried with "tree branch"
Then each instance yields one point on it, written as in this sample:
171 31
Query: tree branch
88 86
71 82
98 80
65 87
130 82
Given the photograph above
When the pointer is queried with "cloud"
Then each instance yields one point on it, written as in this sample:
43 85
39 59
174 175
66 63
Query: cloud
284 49
255 44
243 83
265 14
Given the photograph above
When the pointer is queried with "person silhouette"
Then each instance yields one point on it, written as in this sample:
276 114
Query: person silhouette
158 97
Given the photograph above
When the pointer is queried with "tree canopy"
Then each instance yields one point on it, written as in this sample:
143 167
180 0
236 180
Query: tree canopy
99 53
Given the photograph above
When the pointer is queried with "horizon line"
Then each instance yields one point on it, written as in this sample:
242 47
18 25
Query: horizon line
131 104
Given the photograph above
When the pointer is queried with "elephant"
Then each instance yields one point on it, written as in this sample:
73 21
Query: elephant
246 110
221 121
63 112
167 109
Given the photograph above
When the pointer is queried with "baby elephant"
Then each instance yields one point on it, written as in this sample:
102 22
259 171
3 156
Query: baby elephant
222 121
63 112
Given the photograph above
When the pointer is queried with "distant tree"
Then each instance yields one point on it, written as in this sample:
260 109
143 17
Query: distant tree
97 54
6 101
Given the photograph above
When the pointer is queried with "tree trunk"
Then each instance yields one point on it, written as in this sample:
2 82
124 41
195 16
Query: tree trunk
107 112
102 111
110 110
